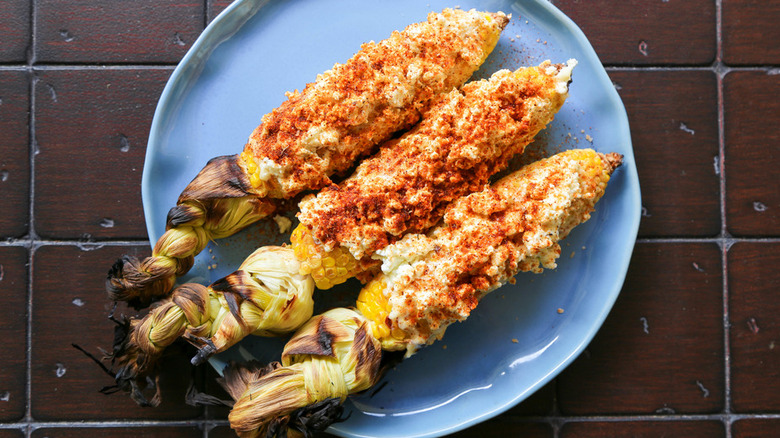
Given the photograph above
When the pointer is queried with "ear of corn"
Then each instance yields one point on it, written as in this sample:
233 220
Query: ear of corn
320 131
486 238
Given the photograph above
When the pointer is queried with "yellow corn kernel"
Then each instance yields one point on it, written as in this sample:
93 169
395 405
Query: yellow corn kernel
251 169
373 304
317 275
380 331
591 161
324 283
398 334
490 37
327 268
254 180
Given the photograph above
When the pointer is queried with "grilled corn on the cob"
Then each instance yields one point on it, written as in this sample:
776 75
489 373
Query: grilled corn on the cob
430 281
433 280
467 136
320 131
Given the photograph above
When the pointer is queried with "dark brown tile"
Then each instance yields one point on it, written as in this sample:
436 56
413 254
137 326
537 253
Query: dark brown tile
221 432
755 428
752 155
117 432
70 305
750 32
644 429
500 429
10 433
674 129
116 31
91 129
661 348
213 388
13 326
14 152
227 432
753 308
14 30
540 403
217 6
642 32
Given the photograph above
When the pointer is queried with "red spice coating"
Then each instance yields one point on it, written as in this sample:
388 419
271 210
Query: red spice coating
466 137
354 106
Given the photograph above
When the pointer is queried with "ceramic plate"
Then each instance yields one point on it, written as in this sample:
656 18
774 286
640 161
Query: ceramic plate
517 339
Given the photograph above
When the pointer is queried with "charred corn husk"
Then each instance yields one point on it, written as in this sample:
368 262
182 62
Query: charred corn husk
215 317
317 132
466 137
331 356
430 281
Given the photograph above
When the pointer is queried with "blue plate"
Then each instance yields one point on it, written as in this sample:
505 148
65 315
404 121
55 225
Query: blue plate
517 340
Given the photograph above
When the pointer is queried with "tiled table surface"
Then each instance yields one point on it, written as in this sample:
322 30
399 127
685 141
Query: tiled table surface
692 347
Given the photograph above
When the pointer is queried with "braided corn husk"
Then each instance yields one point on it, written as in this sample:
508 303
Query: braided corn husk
331 356
265 296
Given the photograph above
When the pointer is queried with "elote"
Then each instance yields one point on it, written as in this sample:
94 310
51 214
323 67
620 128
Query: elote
467 136
316 133
431 280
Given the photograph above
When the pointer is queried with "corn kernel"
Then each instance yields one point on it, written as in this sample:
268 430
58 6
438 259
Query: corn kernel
398 334
254 180
333 267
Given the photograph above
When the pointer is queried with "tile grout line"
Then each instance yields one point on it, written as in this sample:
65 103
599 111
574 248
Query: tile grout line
170 66
553 419
720 71
728 241
33 148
